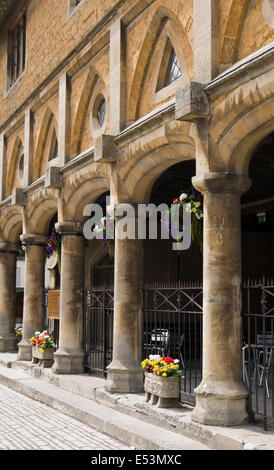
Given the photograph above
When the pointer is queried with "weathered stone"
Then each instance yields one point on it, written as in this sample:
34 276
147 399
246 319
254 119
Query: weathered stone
18 197
53 178
162 391
191 103
105 149
33 311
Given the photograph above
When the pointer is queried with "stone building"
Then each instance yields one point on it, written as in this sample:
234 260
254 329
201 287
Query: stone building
125 98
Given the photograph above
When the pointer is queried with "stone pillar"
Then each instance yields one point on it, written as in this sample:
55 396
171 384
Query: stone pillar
124 372
68 359
33 310
7 297
220 398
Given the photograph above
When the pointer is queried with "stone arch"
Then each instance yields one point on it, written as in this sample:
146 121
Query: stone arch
232 33
153 33
243 151
84 188
12 177
246 112
41 207
11 224
171 144
48 128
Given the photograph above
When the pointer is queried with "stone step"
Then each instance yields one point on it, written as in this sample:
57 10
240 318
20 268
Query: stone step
127 429
178 421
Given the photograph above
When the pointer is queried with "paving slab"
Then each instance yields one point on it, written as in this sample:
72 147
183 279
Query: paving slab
126 429
178 421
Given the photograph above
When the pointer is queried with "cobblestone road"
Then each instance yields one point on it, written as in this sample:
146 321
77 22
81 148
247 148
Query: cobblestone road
26 424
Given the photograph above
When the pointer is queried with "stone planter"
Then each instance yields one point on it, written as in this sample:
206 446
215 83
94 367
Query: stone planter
163 392
43 359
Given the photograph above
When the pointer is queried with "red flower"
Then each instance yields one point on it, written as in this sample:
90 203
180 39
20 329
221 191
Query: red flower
168 360
176 200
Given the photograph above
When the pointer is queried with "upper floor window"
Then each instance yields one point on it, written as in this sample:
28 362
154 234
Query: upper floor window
17 50
173 70
170 69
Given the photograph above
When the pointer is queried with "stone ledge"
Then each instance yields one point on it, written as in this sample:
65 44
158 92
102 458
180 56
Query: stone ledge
178 421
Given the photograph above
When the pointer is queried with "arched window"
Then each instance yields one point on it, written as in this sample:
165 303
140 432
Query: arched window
53 151
173 70
170 69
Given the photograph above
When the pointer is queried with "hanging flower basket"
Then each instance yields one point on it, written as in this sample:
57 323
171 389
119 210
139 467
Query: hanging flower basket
197 214
105 231
53 245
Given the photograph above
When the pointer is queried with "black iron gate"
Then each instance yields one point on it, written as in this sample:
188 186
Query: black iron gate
172 327
258 348
98 328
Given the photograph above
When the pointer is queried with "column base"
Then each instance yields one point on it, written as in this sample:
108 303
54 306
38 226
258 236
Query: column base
220 403
122 379
68 363
8 343
24 352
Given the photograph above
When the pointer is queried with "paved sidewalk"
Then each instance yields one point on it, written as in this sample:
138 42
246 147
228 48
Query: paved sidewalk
127 417
26 424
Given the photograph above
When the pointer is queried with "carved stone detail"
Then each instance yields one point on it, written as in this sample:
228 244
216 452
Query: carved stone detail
191 103
162 391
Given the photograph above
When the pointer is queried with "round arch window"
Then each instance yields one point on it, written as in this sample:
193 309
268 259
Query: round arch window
101 113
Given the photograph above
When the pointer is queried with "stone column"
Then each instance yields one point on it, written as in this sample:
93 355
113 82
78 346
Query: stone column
68 359
124 372
33 310
220 398
7 297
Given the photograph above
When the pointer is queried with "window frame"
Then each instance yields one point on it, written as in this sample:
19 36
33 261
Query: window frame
16 50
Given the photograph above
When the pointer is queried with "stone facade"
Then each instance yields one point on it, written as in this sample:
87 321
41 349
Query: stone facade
114 52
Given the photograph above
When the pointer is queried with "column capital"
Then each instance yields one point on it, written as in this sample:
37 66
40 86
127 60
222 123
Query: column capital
221 182
69 228
8 247
33 239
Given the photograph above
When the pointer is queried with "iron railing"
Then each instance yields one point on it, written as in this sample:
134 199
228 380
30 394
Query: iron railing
258 348
98 328
173 327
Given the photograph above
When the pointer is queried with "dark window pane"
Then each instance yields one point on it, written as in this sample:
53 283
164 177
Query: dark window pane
173 69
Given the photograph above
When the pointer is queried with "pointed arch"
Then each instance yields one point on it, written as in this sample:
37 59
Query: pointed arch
153 34
47 131
13 167
170 69
232 34
82 109
161 81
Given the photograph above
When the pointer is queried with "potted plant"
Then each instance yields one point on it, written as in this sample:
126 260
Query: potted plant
43 348
162 381
19 333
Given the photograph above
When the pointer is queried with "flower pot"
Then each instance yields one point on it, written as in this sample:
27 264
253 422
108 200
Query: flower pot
164 392
43 359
